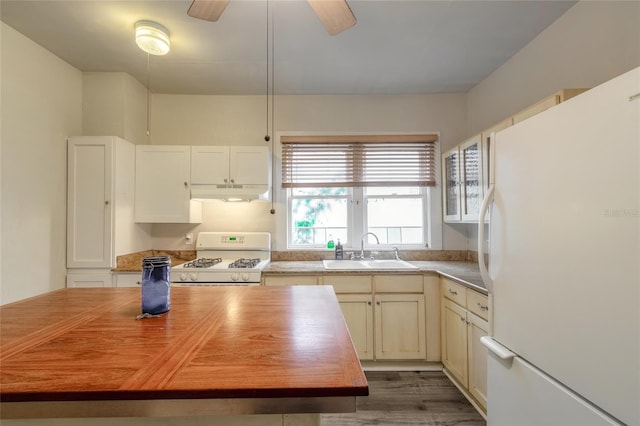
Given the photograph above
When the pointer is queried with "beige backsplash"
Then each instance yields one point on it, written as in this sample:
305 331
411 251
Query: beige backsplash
133 262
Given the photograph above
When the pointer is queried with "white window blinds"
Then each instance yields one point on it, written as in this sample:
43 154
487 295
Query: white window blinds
337 161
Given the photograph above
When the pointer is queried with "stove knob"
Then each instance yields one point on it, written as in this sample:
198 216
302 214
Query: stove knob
245 277
183 276
234 277
193 276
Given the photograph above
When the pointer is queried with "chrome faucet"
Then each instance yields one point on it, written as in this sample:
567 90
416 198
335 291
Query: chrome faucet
397 253
361 257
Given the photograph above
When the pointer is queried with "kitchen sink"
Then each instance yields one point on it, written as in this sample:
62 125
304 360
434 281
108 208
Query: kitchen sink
354 265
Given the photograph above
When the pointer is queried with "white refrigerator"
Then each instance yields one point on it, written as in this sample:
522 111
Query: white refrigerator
564 263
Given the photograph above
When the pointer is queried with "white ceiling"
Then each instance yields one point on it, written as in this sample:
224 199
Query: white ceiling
396 47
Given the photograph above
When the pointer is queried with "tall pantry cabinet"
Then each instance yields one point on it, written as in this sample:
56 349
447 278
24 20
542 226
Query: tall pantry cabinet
100 209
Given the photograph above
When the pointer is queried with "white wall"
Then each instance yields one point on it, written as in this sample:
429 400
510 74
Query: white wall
40 107
114 104
591 43
241 120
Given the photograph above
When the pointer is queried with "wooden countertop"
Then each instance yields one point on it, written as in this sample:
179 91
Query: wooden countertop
216 342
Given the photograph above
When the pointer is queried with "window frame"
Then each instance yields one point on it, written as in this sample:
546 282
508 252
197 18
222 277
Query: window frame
431 201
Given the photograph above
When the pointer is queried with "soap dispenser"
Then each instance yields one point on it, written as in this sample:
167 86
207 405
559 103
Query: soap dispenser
339 251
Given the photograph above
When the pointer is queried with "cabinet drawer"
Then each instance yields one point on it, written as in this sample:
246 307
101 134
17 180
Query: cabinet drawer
349 283
478 304
398 284
454 291
128 279
291 280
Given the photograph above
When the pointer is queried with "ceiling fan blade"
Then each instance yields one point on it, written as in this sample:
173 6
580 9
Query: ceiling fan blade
209 10
335 15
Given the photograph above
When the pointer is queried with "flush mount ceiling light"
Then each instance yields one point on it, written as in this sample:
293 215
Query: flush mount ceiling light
152 37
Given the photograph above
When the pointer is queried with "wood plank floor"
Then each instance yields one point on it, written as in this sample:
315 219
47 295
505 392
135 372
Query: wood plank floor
409 398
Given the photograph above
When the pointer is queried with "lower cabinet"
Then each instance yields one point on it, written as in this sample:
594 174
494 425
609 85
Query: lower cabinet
400 326
89 278
283 280
128 279
463 323
385 314
358 314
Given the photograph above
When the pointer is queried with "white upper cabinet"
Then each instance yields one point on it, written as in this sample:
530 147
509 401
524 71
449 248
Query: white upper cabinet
230 165
163 174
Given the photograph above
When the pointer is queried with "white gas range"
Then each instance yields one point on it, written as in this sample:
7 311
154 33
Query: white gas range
226 258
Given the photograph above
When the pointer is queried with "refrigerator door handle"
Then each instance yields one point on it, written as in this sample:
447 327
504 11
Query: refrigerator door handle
488 199
497 348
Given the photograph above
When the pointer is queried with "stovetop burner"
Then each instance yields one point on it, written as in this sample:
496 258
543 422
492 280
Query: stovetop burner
204 262
244 263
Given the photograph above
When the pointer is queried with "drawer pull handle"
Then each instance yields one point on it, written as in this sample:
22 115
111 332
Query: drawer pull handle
483 307
455 293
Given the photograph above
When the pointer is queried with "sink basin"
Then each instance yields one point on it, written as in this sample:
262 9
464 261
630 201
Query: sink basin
390 264
354 265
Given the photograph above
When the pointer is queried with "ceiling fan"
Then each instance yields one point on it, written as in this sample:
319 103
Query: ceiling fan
335 15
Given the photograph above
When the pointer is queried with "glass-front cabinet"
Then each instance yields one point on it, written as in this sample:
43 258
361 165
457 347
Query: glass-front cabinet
463 177
451 185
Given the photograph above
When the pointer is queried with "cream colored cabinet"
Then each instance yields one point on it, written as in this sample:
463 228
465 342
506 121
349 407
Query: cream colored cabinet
463 177
487 141
284 280
354 293
385 314
477 373
464 314
546 103
230 165
454 340
163 174
358 315
400 326
451 182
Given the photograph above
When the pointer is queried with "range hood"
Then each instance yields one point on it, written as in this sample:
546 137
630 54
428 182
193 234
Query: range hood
235 192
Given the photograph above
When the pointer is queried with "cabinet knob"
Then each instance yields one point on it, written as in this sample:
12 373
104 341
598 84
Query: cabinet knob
453 292
378 303
186 184
106 203
369 303
226 180
232 180
462 319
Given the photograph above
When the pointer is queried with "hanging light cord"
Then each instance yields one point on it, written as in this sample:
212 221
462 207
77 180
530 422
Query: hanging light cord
148 100
269 136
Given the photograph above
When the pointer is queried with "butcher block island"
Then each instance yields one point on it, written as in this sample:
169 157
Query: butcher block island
220 350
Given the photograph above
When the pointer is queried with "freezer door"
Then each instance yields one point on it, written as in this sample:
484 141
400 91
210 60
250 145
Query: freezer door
521 395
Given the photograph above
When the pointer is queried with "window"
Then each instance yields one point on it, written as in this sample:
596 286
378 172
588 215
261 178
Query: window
341 187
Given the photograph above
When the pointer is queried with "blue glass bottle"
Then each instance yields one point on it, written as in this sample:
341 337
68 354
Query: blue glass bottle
156 295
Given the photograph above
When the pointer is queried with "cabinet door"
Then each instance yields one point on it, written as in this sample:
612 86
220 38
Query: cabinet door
283 280
90 203
162 185
400 326
358 314
454 340
249 165
477 359
209 165
471 168
451 186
